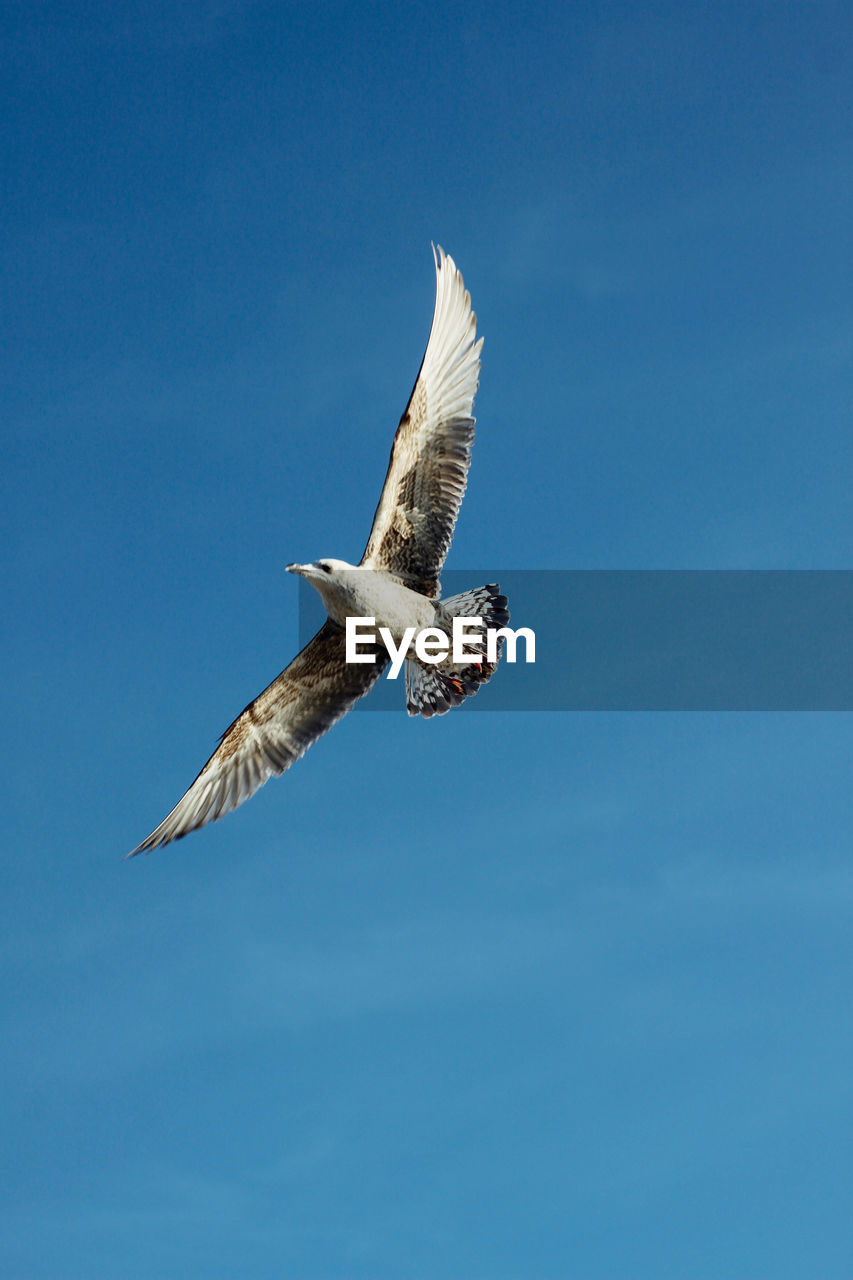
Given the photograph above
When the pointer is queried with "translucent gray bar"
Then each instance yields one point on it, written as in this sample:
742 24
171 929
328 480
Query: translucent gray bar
660 640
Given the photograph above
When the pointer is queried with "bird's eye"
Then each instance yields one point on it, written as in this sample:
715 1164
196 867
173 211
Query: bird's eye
327 568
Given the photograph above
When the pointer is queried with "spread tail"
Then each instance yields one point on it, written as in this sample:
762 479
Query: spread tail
431 690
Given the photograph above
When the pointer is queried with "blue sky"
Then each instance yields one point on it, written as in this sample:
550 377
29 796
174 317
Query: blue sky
552 995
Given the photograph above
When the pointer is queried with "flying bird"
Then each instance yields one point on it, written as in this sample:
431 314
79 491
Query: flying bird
396 583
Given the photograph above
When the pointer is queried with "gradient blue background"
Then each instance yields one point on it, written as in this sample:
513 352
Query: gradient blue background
497 996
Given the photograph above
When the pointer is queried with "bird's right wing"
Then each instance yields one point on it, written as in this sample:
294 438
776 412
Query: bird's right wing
428 470
277 728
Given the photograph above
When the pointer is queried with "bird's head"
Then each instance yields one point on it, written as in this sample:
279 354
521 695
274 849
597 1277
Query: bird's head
334 580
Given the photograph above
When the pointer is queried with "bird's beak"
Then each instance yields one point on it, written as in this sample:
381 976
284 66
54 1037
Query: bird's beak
297 568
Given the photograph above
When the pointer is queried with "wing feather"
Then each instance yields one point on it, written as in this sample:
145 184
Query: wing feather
428 470
277 728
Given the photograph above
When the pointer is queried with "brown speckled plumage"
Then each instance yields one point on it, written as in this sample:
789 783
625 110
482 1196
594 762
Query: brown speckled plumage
410 538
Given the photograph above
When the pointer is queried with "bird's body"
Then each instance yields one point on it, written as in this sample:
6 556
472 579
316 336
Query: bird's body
355 591
396 584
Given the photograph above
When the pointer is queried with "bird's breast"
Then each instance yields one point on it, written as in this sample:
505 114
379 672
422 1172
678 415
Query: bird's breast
393 606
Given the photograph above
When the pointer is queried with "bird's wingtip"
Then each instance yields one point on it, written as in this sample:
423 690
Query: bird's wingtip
439 256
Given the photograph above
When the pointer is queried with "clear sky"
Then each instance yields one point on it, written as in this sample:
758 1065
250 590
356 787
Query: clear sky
502 996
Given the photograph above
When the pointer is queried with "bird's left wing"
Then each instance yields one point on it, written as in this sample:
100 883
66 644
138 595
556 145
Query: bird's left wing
428 470
277 728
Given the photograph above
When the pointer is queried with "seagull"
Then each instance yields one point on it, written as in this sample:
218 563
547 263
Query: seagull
396 583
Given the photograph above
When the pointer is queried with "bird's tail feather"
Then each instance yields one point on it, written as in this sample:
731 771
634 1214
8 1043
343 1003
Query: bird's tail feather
431 690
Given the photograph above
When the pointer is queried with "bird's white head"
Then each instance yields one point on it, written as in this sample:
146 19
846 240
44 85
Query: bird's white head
335 580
